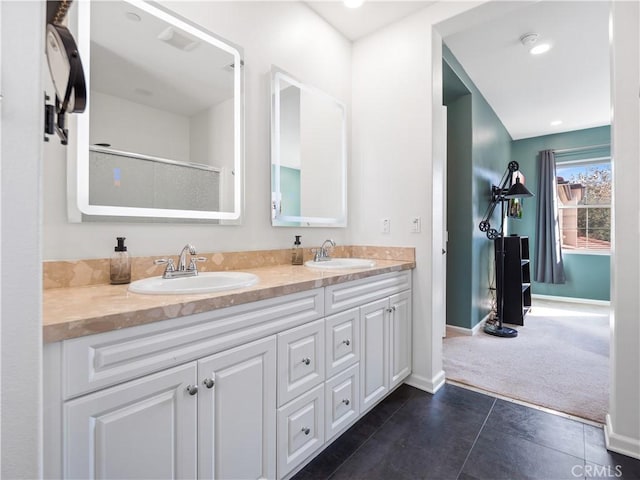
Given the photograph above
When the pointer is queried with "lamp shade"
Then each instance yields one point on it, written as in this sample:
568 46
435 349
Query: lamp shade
518 190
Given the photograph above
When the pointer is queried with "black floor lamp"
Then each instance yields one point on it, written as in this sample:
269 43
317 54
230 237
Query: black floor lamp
508 190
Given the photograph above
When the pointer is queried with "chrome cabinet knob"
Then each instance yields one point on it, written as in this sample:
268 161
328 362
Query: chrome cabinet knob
192 389
346 401
306 430
347 342
208 382
306 360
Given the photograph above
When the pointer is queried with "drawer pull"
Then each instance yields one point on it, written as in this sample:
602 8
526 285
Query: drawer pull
306 430
306 360
346 401
347 342
208 382
192 389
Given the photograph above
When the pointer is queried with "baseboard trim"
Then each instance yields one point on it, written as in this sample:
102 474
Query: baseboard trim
430 386
620 443
554 298
470 331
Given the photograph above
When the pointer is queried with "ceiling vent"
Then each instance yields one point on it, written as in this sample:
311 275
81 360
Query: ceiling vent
178 39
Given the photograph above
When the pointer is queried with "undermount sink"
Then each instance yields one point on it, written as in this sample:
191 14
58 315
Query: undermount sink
336 263
204 282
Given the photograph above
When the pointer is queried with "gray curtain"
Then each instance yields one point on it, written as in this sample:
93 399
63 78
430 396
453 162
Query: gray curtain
548 252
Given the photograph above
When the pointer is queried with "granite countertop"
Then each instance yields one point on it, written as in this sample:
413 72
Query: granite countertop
77 311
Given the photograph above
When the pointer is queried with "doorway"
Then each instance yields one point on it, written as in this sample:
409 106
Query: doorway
477 157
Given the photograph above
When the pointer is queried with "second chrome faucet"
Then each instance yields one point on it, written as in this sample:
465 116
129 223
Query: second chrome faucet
182 270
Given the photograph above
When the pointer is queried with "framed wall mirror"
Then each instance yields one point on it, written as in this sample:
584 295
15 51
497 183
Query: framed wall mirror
162 137
308 155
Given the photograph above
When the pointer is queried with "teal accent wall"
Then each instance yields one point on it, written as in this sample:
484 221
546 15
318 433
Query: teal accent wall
479 149
588 275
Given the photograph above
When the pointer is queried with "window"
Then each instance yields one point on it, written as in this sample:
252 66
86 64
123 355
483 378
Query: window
584 203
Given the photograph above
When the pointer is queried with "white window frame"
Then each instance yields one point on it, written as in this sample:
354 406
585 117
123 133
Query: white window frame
583 162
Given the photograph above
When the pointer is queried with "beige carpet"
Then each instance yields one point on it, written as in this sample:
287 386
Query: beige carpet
559 360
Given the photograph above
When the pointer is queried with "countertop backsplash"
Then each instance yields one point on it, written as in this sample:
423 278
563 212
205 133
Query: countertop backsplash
78 273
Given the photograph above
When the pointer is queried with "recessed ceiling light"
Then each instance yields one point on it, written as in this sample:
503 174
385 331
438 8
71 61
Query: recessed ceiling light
555 123
529 40
353 3
541 48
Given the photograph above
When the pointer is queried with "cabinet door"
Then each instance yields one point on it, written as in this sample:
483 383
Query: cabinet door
342 339
145 428
399 337
237 412
374 362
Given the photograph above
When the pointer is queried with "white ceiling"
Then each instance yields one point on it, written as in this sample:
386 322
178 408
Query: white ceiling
354 23
527 92
569 83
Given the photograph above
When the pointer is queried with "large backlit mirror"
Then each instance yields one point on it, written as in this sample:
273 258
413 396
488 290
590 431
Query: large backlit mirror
308 155
162 135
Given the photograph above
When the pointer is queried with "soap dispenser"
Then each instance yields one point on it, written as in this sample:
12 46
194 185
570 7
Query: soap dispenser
296 252
120 271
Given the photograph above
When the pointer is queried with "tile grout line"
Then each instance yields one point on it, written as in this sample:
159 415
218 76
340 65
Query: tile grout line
475 440
369 437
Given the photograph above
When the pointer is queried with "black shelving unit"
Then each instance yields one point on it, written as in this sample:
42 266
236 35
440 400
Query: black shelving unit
517 278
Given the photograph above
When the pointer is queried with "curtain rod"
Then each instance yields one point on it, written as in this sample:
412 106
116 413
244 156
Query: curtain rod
577 149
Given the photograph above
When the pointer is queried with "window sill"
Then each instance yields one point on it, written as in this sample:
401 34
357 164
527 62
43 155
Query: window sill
586 252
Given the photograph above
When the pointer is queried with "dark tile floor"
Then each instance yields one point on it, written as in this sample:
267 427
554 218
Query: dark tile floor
462 434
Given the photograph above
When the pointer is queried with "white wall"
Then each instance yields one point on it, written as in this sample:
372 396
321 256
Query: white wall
286 34
21 285
290 127
623 420
134 127
321 122
393 172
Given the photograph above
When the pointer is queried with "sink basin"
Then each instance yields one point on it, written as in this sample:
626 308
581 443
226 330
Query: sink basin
204 282
336 263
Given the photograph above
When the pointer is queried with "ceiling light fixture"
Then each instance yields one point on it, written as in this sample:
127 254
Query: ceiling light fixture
556 123
529 40
353 3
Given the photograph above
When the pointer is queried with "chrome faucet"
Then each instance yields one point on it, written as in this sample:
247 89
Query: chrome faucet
182 270
322 254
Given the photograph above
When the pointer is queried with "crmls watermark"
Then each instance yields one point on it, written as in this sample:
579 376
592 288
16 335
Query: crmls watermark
597 471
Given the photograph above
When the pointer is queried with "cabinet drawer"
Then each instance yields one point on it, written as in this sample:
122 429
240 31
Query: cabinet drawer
300 360
96 361
342 401
300 429
342 339
347 295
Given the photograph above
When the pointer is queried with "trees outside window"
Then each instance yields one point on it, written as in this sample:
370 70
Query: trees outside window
584 203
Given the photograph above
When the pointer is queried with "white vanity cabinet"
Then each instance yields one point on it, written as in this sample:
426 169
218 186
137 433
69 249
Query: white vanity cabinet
214 418
248 391
191 397
384 309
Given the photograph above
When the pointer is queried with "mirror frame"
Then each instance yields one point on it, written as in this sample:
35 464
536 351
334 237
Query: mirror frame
78 153
277 75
